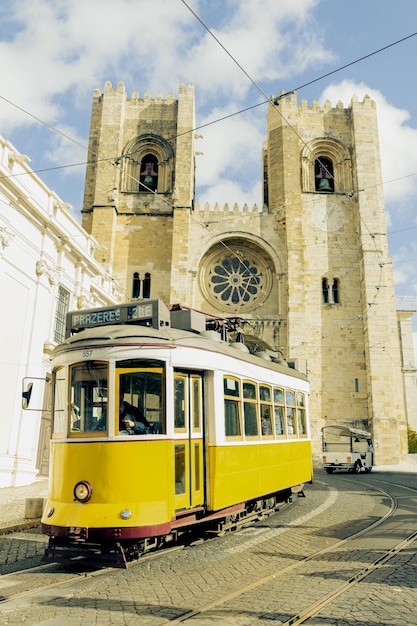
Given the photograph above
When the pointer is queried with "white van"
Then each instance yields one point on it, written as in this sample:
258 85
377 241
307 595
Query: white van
346 448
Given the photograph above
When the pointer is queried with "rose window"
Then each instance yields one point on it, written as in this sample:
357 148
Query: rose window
236 280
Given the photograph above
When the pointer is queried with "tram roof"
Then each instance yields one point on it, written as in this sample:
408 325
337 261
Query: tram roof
171 338
346 431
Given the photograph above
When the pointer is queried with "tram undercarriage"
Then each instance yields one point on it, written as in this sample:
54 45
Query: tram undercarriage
79 547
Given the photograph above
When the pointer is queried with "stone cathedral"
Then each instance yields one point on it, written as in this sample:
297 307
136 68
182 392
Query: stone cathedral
307 274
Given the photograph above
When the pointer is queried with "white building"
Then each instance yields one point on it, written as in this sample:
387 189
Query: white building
46 268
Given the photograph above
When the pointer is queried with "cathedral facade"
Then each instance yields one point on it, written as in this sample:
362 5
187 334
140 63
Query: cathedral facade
306 275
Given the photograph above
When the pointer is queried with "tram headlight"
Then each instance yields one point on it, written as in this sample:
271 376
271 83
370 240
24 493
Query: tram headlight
126 514
83 491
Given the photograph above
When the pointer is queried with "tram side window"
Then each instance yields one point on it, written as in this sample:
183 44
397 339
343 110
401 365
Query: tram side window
290 413
196 399
301 414
250 409
265 398
279 411
180 399
88 397
141 399
232 408
59 402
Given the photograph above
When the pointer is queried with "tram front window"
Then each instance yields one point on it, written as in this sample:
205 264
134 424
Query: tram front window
88 397
140 388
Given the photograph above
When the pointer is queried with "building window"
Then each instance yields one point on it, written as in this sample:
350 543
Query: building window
266 189
323 153
147 165
61 313
146 291
323 172
325 290
136 285
335 290
235 279
149 174
141 288
330 291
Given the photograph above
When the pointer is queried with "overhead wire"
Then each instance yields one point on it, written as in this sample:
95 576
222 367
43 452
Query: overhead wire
255 84
381 264
246 74
343 67
217 120
274 103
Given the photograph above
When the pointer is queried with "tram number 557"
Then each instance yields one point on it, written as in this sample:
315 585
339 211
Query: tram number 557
87 354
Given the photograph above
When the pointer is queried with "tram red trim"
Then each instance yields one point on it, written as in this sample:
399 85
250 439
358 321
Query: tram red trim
107 534
183 518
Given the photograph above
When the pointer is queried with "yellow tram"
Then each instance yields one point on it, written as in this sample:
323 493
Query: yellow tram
157 428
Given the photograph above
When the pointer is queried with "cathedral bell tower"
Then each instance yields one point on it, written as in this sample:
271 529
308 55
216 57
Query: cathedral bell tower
139 184
308 275
323 184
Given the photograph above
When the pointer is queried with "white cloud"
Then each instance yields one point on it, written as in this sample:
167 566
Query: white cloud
405 267
59 47
260 42
57 52
231 193
65 47
228 145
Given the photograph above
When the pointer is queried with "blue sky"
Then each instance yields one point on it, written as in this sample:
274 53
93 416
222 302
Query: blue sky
54 53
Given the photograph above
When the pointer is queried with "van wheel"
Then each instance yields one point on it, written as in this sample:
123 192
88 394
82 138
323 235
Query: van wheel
329 470
357 467
368 469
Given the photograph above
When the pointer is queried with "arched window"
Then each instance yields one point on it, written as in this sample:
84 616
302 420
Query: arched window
146 291
147 163
141 288
324 176
335 290
148 173
330 290
326 166
325 290
136 285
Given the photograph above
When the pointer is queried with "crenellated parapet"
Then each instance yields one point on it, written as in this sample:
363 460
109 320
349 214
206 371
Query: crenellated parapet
226 209
184 91
288 102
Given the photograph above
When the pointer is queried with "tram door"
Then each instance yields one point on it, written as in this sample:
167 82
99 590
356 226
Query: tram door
188 429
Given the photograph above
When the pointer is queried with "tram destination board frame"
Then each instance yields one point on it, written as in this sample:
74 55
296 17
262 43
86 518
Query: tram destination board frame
153 313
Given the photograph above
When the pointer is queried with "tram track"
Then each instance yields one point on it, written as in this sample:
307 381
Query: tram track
315 608
69 578
232 603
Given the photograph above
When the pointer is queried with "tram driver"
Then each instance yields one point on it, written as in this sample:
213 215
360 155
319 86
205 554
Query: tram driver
132 420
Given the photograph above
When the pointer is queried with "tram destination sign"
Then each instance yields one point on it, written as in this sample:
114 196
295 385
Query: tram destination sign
152 313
